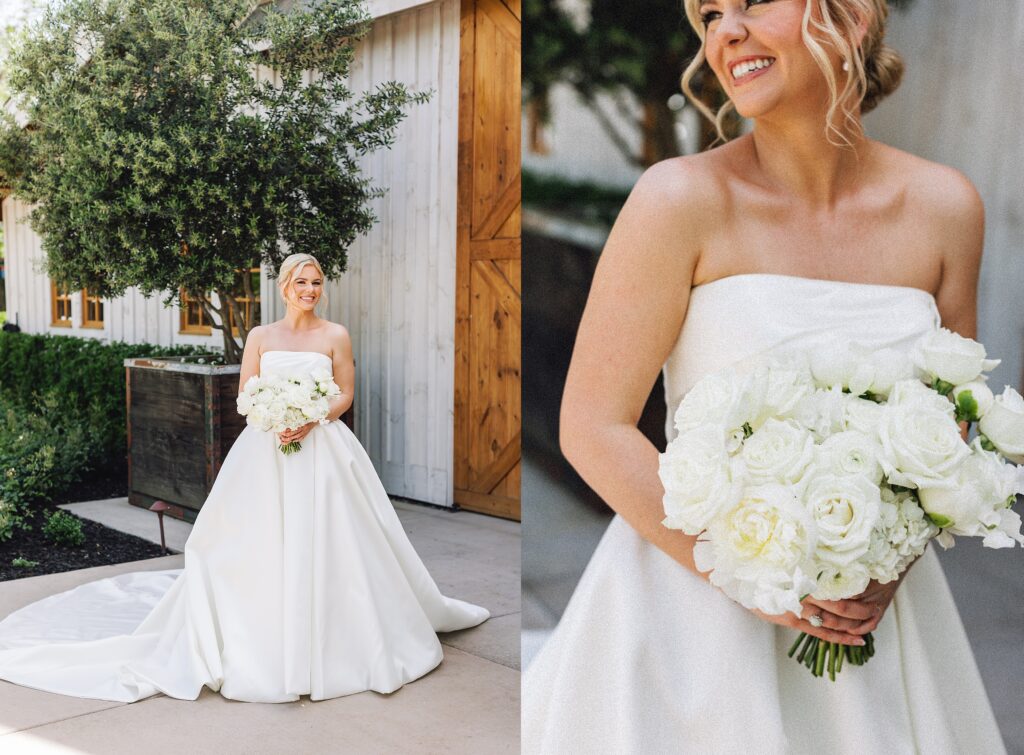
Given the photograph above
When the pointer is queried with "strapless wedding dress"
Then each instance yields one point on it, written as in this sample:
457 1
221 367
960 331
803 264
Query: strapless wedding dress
298 580
649 658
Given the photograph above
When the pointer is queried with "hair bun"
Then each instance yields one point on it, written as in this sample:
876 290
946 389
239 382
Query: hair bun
884 71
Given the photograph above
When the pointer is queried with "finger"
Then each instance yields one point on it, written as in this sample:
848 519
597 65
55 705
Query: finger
850 609
831 635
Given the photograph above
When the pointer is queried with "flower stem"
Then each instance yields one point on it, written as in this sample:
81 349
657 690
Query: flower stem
819 663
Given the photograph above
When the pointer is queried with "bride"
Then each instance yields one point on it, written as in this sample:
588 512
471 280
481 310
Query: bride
298 576
799 233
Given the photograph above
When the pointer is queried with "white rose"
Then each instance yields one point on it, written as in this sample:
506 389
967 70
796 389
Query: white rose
851 452
978 391
759 552
277 409
845 510
779 389
718 399
833 365
841 582
243 403
779 452
921 443
976 506
695 472
951 357
1003 424
257 417
914 392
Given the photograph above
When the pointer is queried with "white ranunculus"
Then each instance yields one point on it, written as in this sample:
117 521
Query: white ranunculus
759 552
845 510
975 506
851 452
841 582
921 442
696 472
980 392
1003 424
951 357
779 452
861 415
820 412
859 368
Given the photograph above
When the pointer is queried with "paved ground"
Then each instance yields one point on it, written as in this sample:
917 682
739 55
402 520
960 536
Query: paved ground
561 531
469 704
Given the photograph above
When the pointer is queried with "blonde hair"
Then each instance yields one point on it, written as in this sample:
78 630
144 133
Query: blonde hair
293 263
875 69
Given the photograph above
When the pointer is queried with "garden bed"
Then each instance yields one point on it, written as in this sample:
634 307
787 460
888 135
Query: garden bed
102 545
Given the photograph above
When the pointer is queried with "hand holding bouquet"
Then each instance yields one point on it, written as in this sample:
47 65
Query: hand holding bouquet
815 476
275 402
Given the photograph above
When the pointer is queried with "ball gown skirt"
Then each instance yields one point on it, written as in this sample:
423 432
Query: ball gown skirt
298 580
649 658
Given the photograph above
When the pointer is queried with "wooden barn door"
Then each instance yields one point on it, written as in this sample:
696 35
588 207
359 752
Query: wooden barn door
488 320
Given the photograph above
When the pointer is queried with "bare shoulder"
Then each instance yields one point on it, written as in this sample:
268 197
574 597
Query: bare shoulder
340 340
256 335
667 211
943 196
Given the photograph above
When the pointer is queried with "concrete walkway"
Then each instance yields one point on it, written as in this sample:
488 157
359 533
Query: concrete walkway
469 704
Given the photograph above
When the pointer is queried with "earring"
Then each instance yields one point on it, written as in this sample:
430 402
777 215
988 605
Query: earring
846 65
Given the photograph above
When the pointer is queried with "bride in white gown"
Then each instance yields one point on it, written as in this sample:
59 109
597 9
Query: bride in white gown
780 239
298 576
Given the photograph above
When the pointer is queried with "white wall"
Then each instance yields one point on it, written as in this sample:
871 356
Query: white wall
961 103
398 297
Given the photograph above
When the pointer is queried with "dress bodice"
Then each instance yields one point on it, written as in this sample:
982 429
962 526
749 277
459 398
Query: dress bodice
743 317
293 362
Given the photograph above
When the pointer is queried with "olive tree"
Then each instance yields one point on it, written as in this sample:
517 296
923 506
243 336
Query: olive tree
173 145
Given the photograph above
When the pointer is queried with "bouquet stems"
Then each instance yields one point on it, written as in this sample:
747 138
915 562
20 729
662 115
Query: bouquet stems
820 656
290 448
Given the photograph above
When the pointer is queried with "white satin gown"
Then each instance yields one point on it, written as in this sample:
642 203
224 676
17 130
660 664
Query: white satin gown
298 580
649 658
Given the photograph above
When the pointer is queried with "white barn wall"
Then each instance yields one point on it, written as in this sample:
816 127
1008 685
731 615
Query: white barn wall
397 298
961 103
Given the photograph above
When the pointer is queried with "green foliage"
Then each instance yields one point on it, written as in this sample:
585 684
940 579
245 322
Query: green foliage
583 200
23 563
157 159
64 529
42 452
85 379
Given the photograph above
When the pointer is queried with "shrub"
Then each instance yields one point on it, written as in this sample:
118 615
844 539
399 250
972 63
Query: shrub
23 562
64 529
86 379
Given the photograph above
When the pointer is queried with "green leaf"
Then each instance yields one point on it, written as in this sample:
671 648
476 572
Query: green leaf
966 406
940 521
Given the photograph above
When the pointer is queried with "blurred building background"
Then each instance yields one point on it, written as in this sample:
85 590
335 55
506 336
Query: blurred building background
594 116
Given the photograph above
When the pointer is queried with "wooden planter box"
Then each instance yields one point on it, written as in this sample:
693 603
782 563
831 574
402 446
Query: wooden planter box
182 421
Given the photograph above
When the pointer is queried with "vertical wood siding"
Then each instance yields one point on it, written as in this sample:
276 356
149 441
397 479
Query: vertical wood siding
397 298
961 103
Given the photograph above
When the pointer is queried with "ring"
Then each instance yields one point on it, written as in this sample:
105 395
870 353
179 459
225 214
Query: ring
815 620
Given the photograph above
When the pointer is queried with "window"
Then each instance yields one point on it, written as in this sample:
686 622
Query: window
60 305
250 305
193 317
92 310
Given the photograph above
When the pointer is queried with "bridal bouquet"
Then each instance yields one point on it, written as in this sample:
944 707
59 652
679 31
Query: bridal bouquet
275 402
815 475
